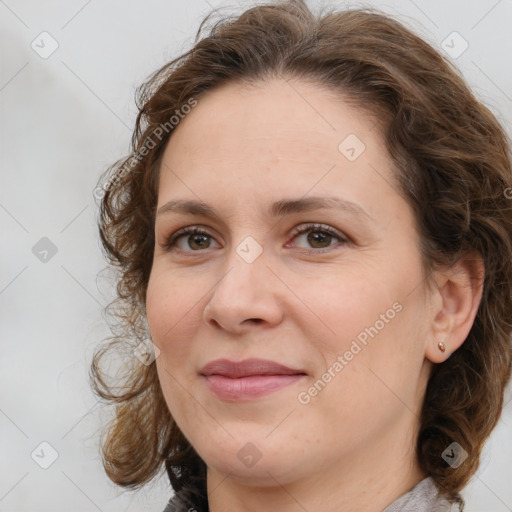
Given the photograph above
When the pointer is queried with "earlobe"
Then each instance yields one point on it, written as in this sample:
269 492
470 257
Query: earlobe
438 351
460 289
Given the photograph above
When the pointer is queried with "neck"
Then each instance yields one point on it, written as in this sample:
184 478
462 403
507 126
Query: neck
370 481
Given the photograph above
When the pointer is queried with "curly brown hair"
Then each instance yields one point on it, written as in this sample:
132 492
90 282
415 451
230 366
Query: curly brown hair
453 164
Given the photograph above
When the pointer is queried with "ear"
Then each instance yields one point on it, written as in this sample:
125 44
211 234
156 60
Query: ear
458 294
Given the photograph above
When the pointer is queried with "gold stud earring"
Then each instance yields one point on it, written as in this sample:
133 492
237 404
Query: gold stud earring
441 346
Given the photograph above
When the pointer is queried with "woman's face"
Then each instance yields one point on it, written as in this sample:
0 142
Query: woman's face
342 304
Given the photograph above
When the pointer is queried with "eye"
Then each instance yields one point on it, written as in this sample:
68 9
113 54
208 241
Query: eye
194 238
319 237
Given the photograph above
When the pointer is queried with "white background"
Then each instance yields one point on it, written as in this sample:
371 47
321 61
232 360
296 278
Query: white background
64 119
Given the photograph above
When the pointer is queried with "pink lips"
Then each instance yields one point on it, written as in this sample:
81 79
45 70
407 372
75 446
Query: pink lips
248 379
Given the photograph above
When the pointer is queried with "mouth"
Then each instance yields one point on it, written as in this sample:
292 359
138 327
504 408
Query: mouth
248 379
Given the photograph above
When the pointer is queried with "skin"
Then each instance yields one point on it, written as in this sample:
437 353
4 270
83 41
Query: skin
352 446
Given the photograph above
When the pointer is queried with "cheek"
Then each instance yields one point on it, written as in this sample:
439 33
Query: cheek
170 297
172 314
368 316
344 302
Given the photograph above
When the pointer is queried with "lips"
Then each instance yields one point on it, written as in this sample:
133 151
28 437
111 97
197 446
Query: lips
247 367
249 379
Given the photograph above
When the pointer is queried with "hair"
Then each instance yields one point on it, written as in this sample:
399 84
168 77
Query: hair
453 166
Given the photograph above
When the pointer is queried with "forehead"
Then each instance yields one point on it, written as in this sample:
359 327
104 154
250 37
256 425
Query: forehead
274 138
273 114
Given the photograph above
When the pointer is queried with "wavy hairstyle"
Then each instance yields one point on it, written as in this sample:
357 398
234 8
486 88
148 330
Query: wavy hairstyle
453 166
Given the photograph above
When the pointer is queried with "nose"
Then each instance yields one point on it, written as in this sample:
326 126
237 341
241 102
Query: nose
244 295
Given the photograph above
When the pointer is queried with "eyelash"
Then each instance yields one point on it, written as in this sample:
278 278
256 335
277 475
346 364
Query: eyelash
194 230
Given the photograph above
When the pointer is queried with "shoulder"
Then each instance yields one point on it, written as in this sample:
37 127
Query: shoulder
185 502
175 505
423 497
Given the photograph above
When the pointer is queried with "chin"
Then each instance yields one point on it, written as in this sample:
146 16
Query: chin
263 474
255 464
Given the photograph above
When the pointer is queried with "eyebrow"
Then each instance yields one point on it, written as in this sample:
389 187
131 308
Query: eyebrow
276 209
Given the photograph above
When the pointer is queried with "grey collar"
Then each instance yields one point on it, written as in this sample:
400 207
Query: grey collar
423 497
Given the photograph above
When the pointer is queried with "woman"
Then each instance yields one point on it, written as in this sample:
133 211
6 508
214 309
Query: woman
313 231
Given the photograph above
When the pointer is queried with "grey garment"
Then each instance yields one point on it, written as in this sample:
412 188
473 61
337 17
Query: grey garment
423 497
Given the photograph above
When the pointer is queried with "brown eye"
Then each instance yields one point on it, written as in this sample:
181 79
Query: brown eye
198 241
189 240
318 237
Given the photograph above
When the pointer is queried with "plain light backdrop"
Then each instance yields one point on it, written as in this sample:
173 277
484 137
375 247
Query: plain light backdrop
68 75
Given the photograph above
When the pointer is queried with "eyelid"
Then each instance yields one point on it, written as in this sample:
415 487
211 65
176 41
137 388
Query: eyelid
312 226
195 229
198 229
304 228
